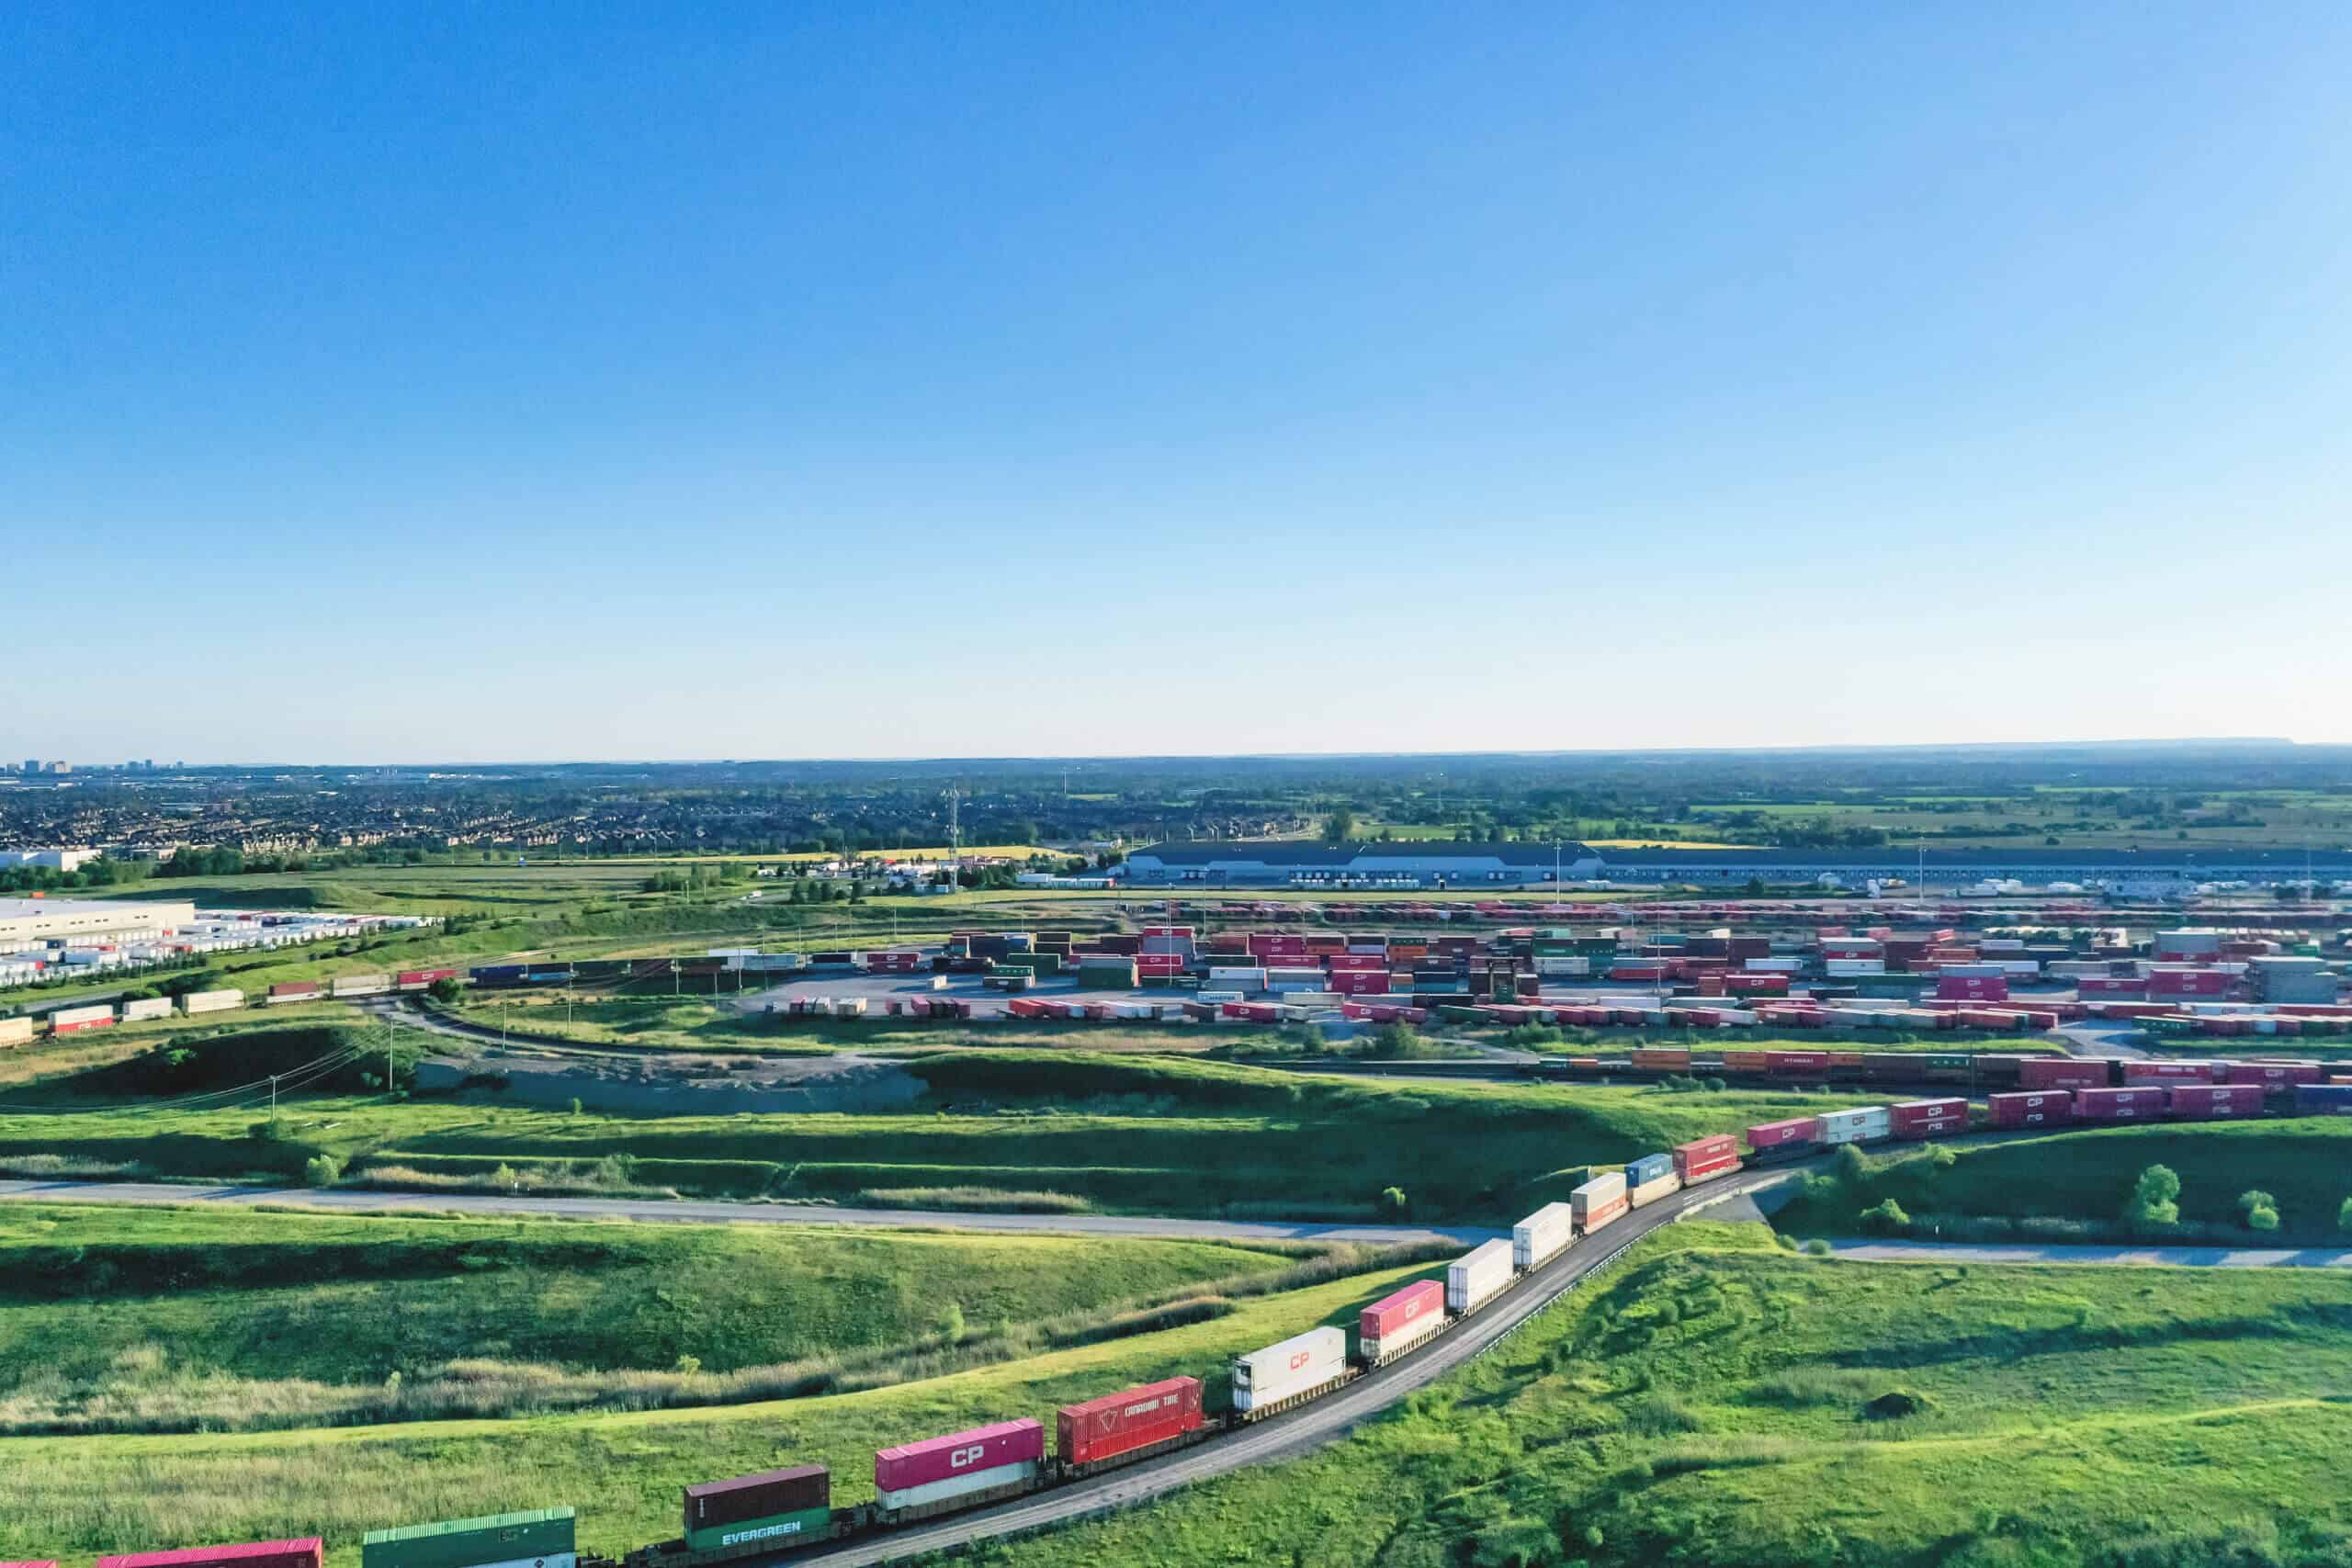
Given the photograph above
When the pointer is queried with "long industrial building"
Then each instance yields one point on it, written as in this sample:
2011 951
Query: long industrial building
1435 866
81 922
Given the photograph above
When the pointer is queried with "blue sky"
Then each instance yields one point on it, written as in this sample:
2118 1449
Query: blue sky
548 381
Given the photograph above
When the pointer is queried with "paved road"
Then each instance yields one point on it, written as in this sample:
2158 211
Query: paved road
2164 1256
1299 1431
346 1199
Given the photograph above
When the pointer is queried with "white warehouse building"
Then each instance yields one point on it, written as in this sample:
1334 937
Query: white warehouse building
55 859
79 922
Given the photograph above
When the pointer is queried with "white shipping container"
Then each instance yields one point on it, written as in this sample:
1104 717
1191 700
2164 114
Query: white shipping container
1298 1363
1855 965
1774 965
67 1018
1248 980
1558 965
964 1485
146 1007
1205 995
212 1001
1599 1200
15 1031
1475 1278
359 985
849 1006
1538 1238
1651 1192
1864 1125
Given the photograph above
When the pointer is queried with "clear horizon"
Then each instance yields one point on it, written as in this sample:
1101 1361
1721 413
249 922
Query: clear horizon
494 387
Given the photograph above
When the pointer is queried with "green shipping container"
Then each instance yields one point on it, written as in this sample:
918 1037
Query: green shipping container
1949 1059
541 1537
784 1531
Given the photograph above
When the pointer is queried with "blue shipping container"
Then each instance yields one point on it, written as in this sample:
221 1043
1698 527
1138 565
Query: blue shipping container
562 973
1648 1169
2324 1099
492 974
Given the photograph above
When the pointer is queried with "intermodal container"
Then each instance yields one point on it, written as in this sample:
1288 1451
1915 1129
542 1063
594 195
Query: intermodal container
505 974
2217 1101
1116 1424
2275 1075
1477 1275
2063 1072
2145 1103
2331 1099
1656 1187
1649 1167
781 1506
2032 1107
542 1536
1796 1063
1744 1061
1538 1238
1915 1119
1778 1134
143 1008
1862 1124
1663 1060
2169 1072
1599 1202
304 1552
1703 1159
66 1020
1298 1364
1401 1319
910 1475
417 979
15 1031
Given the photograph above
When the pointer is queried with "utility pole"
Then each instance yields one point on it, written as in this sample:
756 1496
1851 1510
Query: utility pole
273 1097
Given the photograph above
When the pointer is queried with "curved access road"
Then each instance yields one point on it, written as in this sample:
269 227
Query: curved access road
1298 1431
2145 1256
681 1211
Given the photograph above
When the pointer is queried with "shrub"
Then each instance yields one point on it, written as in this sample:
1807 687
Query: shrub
2261 1210
322 1170
1394 1201
1896 1404
2344 1216
1885 1218
2155 1206
1816 1247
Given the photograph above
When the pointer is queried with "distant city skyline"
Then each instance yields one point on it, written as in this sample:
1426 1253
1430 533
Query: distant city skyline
760 382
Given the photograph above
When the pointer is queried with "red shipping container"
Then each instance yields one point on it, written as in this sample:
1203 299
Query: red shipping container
1366 961
1742 1061
295 989
957 1453
2140 1072
1928 1118
2145 1103
1120 1423
2063 1072
303 1552
2217 1101
1971 988
1669 1060
2279 1074
1703 1157
1774 1135
2032 1107
1399 1309
1796 1061
2095 987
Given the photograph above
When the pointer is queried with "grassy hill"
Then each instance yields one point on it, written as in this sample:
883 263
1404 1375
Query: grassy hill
172 1319
1139 1134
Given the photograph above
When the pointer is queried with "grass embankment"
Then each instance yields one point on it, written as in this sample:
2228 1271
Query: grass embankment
71 1497
1144 1134
169 1319
2072 1186
1718 1401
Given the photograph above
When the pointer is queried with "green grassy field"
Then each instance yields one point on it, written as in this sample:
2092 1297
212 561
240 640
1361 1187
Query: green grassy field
1717 1401
71 1497
163 1319
2072 1186
1159 1135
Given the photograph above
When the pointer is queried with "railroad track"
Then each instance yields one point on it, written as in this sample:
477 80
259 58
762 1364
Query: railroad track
1301 1431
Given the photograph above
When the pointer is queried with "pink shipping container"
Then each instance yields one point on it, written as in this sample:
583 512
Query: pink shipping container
2174 1072
2217 1101
957 1453
1928 1118
2032 1107
2063 1072
1363 961
1971 988
303 1552
2146 1104
2189 983
1774 1135
2275 1074
2094 987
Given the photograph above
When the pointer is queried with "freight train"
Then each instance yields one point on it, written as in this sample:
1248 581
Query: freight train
751 1516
